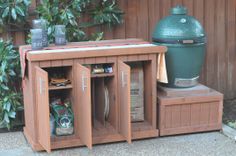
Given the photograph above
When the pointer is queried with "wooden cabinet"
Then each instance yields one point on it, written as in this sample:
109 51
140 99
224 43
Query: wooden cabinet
191 110
86 93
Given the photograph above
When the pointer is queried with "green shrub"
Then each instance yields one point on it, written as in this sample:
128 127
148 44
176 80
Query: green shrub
71 12
13 12
10 95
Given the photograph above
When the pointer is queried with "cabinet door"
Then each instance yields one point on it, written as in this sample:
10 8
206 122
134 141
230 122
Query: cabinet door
42 100
124 95
84 105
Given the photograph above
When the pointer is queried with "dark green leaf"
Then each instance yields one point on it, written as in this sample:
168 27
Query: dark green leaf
5 12
12 114
6 118
13 13
27 2
4 87
12 73
20 11
7 106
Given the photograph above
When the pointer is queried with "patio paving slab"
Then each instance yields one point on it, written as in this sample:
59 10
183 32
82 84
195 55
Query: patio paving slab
202 144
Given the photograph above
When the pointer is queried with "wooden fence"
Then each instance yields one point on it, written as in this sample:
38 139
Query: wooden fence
218 18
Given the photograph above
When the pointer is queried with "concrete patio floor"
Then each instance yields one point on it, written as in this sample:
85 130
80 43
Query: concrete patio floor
203 144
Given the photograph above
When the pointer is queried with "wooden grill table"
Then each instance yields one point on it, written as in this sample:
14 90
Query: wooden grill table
85 92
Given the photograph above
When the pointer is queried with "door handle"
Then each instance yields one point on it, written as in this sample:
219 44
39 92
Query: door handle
124 78
41 86
84 82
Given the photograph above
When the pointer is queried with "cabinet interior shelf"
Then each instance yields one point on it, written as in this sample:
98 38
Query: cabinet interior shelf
102 75
60 88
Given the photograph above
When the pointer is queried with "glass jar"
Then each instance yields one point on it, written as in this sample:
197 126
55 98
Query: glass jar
37 39
60 34
42 24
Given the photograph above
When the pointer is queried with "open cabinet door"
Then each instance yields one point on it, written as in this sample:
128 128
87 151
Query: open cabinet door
124 94
84 104
42 100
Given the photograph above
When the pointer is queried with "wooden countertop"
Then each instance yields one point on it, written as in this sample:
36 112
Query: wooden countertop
93 49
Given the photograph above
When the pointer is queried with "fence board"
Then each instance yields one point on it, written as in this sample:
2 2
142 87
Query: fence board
218 18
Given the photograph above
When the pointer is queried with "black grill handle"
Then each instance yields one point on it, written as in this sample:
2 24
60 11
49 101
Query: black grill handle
174 41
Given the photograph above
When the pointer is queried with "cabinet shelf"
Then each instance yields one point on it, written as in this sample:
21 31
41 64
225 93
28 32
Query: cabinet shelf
102 75
61 87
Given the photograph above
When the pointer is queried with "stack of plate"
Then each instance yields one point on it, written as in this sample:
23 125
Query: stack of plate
107 103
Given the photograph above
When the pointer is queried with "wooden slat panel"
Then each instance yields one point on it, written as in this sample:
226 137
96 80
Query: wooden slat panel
211 56
32 124
90 60
43 64
154 15
19 38
101 60
124 100
142 20
168 117
67 62
133 58
131 19
123 58
83 90
195 111
148 108
199 5
120 30
189 5
42 99
204 115
143 57
152 87
220 44
231 55
185 115
176 117
56 63
166 5
99 100
214 112
177 2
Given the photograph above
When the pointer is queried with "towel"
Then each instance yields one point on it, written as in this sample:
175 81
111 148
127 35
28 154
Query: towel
161 69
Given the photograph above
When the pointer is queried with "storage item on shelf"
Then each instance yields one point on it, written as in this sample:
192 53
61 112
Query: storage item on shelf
97 69
100 69
64 117
59 82
107 103
108 69
137 93
52 124
137 114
